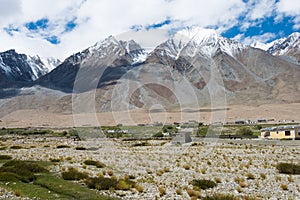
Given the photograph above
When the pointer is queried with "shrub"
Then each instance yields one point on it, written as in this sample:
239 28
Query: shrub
203 184
23 169
263 176
162 191
25 165
80 148
218 180
186 166
73 174
141 144
220 197
178 191
288 168
243 184
139 188
101 183
18 193
2 148
250 176
158 134
193 193
170 129
110 173
54 160
284 187
5 157
16 147
244 131
125 185
8 176
62 146
202 131
98 164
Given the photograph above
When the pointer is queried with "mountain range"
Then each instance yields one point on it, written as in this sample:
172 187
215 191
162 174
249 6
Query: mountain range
192 68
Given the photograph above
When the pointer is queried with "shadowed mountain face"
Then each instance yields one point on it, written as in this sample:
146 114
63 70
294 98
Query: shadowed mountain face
192 68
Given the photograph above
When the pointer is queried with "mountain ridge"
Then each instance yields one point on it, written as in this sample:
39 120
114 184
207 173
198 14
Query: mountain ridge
191 68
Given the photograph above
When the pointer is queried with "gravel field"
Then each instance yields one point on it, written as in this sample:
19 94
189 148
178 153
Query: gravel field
244 168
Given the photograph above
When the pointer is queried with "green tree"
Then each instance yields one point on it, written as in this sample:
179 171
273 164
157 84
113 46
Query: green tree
245 131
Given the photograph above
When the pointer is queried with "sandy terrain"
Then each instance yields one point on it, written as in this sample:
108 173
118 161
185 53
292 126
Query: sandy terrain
40 118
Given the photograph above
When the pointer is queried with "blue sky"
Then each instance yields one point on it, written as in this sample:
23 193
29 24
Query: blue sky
59 28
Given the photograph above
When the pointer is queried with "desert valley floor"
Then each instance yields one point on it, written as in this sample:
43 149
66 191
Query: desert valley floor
165 171
40 118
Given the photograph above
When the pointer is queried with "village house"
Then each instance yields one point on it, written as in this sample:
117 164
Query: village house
281 132
183 136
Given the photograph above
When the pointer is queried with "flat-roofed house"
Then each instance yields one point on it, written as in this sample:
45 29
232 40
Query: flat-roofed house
281 132
183 136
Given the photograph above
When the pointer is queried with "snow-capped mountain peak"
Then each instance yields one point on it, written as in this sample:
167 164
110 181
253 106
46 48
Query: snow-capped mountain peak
204 41
24 67
198 35
281 46
116 47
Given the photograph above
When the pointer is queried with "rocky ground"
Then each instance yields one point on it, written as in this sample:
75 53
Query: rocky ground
244 169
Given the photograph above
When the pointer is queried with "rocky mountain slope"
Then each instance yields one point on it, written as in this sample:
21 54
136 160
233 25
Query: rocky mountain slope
194 67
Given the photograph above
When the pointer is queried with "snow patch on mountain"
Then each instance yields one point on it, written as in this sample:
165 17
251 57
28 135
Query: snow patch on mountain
261 45
280 46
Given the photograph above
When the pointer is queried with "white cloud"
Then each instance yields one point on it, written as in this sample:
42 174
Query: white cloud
264 38
9 9
290 8
260 9
97 19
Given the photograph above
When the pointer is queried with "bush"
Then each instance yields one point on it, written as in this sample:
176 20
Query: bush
170 129
162 191
202 131
5 157
2 148
244 131
250 176
16 147
186 166
142 144
62 146
220 197
101 183
80 148
258 127
158 134
73 174
139 188
203 184
288 168
25 165
125 185
98 164
25 170
54 160
8 176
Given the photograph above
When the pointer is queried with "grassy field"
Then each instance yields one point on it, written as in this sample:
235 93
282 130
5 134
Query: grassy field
44 185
